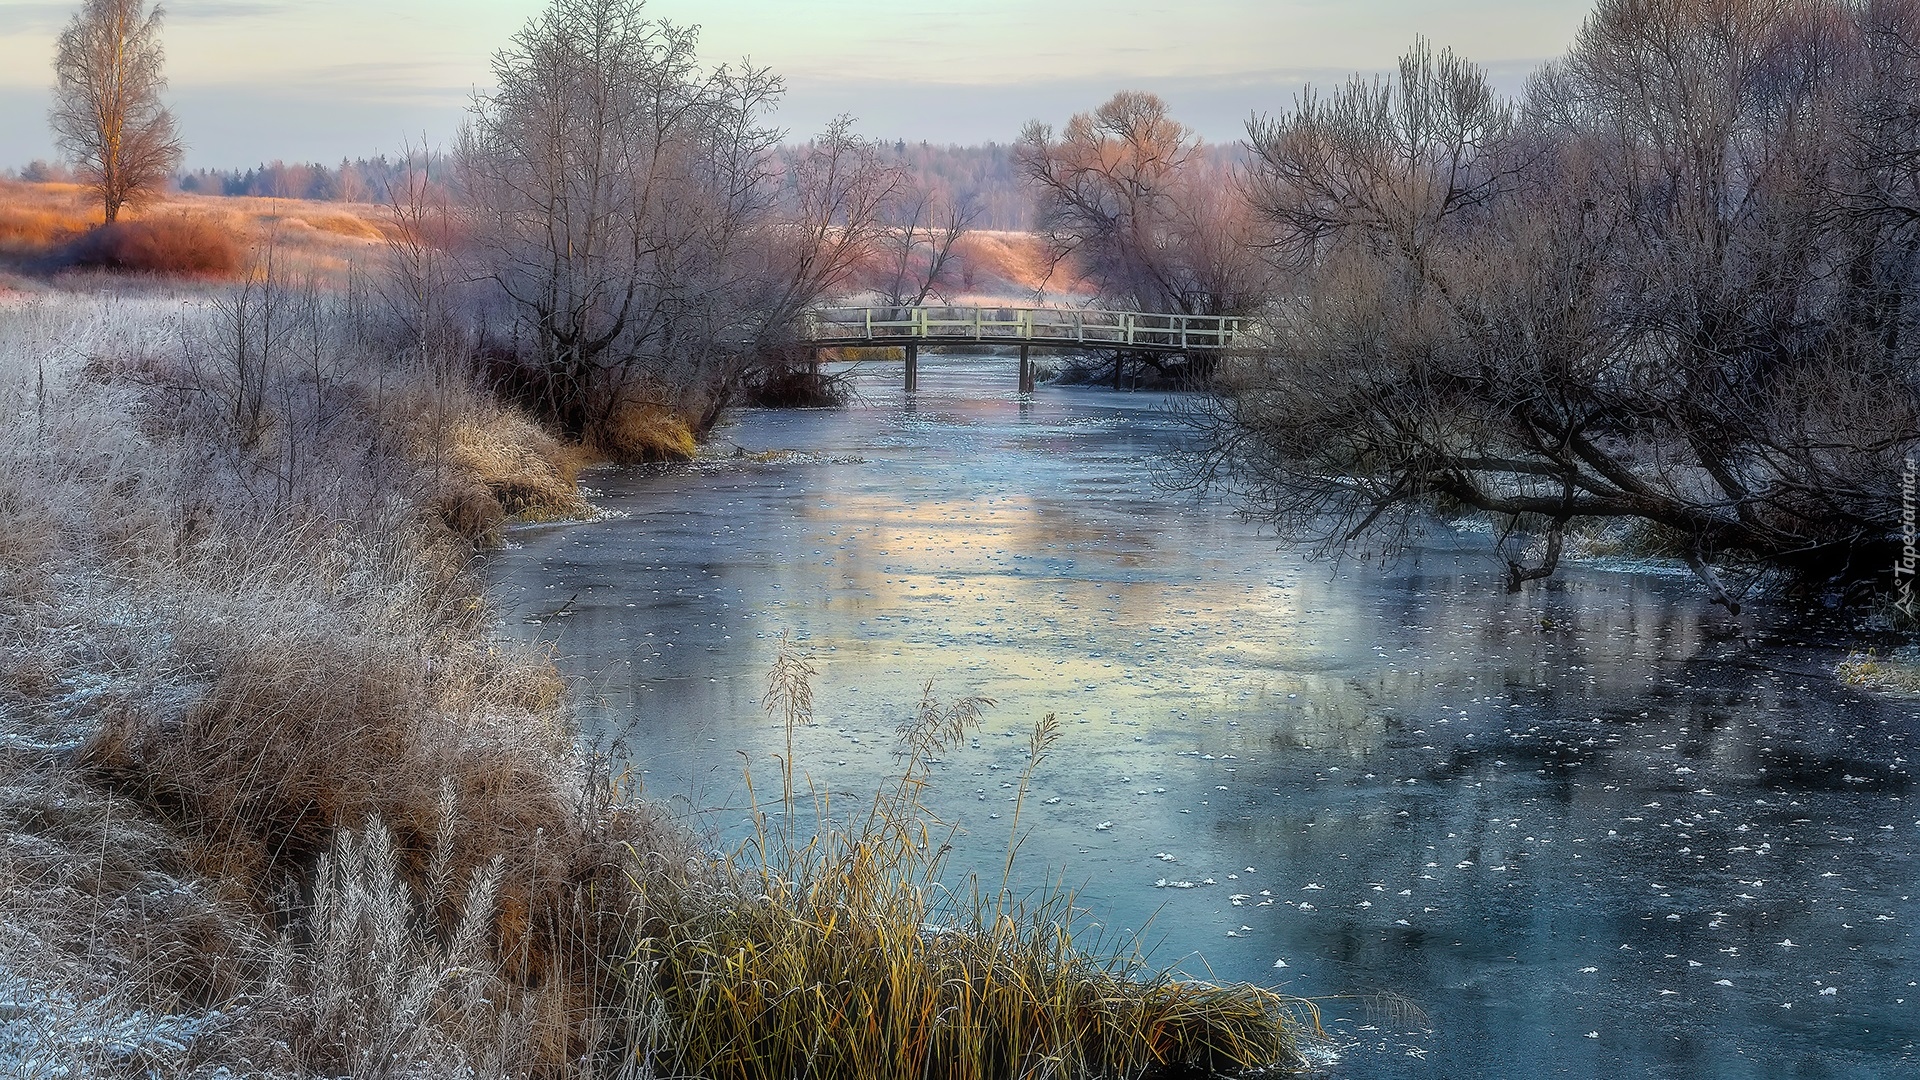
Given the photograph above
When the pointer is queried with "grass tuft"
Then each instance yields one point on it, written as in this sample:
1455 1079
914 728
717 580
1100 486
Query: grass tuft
508 459
1895 673
645 432
839 953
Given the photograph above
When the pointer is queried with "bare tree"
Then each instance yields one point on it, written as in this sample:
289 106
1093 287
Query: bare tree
919 245
615 185
107 115
1143 208
1667 291
842 190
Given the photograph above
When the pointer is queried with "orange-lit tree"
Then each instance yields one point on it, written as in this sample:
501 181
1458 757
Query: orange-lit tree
107 114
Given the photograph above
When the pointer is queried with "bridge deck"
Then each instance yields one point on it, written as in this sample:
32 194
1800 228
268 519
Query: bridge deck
1031 326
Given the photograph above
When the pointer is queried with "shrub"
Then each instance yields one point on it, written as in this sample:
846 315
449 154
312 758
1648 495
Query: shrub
177 246
793 386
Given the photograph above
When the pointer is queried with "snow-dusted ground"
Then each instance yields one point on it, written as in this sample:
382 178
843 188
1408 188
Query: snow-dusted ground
56 1031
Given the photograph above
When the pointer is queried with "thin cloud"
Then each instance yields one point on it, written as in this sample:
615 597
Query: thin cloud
208 10
370 82
34 16
25 18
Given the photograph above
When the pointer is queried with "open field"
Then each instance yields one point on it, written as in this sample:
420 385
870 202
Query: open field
38 220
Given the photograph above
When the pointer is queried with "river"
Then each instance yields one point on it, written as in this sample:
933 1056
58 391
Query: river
1592 829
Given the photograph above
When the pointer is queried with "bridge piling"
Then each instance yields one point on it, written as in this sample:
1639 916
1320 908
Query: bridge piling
913 367
1026 370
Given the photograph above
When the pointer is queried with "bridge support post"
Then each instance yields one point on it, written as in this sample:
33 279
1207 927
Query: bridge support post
913 367
813 362
1026 370
1119 362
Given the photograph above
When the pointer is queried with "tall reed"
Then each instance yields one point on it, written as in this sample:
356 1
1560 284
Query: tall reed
834 949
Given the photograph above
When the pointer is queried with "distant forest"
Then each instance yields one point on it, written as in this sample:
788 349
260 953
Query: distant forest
984 176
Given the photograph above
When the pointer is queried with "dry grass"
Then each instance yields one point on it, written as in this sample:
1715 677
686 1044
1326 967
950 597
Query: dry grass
835 950
237 652
1013 264
36 229
177 246
989 267
645 432
526 472
322 238
1896 673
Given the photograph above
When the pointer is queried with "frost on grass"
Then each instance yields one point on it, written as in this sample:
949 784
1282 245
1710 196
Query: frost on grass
1895 673
235 631
59 1032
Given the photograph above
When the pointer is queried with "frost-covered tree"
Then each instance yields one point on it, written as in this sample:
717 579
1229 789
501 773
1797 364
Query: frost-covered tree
1670 287
624 202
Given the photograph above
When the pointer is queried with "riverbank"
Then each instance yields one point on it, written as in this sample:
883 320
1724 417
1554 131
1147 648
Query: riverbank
275 799
238 634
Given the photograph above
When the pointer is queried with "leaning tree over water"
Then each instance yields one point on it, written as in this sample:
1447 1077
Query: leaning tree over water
1669 286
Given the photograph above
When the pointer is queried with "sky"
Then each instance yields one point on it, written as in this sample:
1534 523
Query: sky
256 80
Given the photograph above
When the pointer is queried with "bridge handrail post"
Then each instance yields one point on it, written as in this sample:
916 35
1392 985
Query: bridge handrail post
868 312
976 324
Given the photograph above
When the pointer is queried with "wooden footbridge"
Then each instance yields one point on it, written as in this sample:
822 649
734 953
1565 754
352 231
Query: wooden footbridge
1025 327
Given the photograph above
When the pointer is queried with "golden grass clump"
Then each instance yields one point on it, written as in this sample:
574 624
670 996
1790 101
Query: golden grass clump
837 974
33 231
840 954
502 456
645 432
1898 673
858 353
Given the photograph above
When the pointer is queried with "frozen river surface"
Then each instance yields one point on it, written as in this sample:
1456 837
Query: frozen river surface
1591 830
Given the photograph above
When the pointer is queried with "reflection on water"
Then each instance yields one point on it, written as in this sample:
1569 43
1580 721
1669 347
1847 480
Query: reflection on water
1587 830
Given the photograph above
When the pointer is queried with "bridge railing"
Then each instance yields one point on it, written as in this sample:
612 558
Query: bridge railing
1082 326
